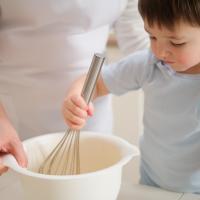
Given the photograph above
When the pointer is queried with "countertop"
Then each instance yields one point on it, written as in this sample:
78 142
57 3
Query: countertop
10 189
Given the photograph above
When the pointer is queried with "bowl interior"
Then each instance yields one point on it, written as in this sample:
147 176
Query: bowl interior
96 151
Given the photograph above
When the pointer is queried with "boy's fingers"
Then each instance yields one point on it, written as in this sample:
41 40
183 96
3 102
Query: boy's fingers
74 119
79 101
90 110
77 112
73 125
75 107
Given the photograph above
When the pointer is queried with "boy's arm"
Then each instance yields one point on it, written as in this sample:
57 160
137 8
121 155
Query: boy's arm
100 89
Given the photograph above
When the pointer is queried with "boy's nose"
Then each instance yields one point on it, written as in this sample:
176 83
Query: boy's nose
162 53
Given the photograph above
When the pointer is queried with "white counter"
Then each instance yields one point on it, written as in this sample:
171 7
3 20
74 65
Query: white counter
10 189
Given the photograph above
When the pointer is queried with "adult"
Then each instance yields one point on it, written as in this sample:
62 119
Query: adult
44 46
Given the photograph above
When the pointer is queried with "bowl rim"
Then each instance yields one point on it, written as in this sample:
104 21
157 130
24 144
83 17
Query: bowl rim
132 151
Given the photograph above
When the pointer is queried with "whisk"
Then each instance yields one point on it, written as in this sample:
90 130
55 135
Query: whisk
64 159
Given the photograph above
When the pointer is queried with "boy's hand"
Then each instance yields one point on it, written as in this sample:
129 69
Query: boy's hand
76 111
10 143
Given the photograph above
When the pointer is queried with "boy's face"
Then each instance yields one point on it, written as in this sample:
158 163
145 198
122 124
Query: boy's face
179 48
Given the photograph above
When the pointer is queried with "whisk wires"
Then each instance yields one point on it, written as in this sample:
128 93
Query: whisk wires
65 159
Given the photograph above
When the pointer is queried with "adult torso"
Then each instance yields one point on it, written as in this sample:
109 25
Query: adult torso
44 46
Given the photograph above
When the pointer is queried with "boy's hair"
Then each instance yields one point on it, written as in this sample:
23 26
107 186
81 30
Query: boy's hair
167 13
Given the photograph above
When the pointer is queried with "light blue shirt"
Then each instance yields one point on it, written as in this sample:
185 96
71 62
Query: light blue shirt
170 145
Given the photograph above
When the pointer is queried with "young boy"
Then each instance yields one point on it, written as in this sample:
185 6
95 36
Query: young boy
169 75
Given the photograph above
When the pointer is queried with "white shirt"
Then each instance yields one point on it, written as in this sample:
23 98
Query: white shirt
45 45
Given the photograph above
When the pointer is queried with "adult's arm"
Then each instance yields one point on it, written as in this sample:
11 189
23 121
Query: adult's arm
129 29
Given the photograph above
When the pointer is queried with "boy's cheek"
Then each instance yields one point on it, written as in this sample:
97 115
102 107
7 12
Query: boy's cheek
189 61
184 59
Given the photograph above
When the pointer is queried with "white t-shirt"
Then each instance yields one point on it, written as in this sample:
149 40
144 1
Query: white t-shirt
170 144
45 45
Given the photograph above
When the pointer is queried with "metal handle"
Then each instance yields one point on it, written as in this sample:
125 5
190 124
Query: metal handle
92 76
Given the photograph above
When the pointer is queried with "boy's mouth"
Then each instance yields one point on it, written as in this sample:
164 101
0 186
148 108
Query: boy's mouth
168 62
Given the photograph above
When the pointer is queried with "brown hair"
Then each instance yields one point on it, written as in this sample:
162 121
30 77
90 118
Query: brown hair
167 13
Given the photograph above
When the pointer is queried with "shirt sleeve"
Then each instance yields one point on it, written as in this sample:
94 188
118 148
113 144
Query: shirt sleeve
130 73
129 29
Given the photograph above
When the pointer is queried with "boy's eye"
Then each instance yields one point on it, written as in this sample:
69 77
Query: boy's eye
178 44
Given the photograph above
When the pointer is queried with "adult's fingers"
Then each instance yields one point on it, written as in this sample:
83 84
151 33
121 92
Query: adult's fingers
3 169
18 152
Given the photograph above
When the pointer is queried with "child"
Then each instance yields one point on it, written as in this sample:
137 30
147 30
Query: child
169 75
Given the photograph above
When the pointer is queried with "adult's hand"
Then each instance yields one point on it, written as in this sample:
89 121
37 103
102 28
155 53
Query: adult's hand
10 144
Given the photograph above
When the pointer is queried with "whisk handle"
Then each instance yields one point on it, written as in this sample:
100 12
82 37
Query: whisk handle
92 76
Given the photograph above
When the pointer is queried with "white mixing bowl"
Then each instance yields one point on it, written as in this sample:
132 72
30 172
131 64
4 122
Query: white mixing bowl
102 158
